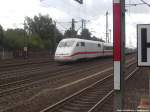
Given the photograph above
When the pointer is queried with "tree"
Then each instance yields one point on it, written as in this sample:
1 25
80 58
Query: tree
1 36
14 38
85 34
35 42
97 39
59 36
41 25
18 38
44 27
70 33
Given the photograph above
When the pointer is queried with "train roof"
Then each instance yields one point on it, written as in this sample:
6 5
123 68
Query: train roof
78 40
108 44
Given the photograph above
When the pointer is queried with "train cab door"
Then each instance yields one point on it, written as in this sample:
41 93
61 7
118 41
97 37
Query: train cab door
80 50
99 49
83 50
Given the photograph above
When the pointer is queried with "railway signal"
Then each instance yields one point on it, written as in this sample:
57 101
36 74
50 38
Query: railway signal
143 38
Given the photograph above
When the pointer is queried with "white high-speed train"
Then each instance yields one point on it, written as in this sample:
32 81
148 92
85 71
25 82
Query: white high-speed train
72 49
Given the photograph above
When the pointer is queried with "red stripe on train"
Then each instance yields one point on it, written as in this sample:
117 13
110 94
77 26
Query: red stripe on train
80 53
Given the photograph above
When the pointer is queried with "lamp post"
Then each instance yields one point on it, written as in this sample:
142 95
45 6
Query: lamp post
25 49
110 35
107 38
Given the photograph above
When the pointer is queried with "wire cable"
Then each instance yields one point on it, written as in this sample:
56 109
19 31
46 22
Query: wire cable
145 3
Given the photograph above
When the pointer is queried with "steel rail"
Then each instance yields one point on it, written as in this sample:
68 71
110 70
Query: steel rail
111 92
21 86
79 92
45 78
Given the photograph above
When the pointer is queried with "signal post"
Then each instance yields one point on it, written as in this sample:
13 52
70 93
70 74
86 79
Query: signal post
119 52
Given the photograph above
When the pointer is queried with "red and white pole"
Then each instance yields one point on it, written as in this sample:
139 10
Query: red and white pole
117 35
119 41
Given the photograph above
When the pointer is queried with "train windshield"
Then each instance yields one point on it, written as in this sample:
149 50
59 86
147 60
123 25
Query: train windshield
66 44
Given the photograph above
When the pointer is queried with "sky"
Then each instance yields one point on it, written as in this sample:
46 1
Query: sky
13 12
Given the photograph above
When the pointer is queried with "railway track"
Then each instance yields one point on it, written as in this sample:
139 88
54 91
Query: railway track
109 95
132 93
5 66
9 88
28 89
89 98
9 75
37 86
12 87
83 100
30 69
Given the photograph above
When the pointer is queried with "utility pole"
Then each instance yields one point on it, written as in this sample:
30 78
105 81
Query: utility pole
110 35
73 28
25 49
107 39
54 37
73 25
83 24
119 52
73 22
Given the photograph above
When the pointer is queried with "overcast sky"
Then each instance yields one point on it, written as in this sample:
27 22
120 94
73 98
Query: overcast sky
12 13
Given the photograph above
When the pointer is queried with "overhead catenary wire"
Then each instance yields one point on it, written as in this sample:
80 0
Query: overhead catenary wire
61 25
84 7
134 4
137 4
145 3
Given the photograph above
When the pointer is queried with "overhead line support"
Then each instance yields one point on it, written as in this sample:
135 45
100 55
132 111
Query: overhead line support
79 1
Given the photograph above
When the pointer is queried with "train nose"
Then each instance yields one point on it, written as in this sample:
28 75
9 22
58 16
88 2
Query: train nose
63 54
63 57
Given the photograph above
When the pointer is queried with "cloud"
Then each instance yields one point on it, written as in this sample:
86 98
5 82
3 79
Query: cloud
12 13
90 8
139 8
131 26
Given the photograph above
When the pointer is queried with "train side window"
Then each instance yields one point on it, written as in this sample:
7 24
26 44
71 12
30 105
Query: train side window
108 48
82 44
99 45
77 44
